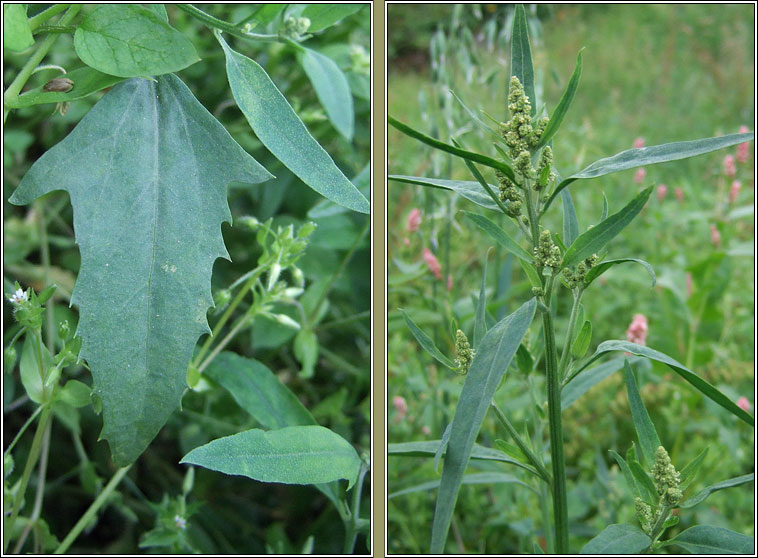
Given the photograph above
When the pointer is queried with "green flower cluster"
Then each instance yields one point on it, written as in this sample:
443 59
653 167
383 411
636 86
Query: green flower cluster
519 134
509 194
547 254
575 278
666 478
464 354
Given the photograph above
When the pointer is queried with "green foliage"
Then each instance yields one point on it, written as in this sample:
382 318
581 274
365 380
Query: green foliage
618 539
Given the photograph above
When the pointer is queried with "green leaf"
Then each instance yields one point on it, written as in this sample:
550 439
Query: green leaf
86 82
326 15
472 191
696 381
689 471
570 222
602 267
462 153
490 363
17 35
591 241
703 494
706 539
509 449
137 167
306 350
647 488
563 105
291 455
521 55
531 273
585 381
499 235
619 538
426 342
480 325
258 391
332 90
524 359
582 341
75 393
128 40
475 478
30 370
283 133
159 10
475 117
442 446
644 427
480 179
644 156
634 489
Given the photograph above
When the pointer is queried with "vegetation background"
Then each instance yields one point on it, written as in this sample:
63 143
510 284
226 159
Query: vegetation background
226 514
658 72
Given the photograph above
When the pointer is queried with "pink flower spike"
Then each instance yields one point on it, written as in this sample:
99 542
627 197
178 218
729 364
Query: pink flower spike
743 149
734 191
715 236
432 263
639 176
743 404
639 142
400 406
729 168
425 430
679 193
414 220
637 330
661 191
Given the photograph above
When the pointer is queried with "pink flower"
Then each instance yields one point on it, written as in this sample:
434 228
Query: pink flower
400 406
637 331
729 168
743 149
432 263
734 191
661 191
743 404
414 220
715 236
449 282
688 284
425 430
679 193
639 142
639 176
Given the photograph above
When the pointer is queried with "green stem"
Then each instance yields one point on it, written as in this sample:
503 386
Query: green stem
55 29
245 319
570 332
520 443
23 76
560 502
85 519
230 28
31 461
657 529
42 17
23 429
351 523
545 508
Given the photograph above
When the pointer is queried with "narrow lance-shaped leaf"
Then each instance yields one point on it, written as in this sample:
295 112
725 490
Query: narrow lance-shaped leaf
331 88
128 40
696 381
620 538
490 363
631 483
703 494
86 82
583 382
146 170
592 240
645 156
689 471
426 342
480 327
475 478
480 179
563 105
582 341
283 133
570 222
707 539
521 55
472 191
475 117
291 455
646 433
499 235
604 266
442 146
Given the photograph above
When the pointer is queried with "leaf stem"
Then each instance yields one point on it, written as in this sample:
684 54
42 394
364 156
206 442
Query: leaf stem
230 28
85 519
42 17
23 76
241 322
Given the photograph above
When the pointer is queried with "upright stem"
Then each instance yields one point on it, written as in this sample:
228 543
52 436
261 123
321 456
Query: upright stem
560 502
351 521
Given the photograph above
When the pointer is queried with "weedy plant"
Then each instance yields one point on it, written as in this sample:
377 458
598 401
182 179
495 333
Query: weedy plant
147 171
528 184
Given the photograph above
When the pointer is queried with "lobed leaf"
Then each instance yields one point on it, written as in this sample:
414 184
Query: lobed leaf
128 40
644 427
592 240
283 133
290 455
86 82
332 90
563 105
707 539
490 363
619 538
147 170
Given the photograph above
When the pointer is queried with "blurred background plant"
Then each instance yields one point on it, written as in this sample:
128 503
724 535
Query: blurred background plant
652 74
326 362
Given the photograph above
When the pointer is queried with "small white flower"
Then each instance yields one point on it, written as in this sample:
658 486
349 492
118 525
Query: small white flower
18 297
180 522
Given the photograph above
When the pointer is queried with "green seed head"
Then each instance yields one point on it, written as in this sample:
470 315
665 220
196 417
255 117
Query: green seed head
464 354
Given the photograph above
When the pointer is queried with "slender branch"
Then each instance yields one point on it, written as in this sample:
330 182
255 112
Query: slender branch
230 28
85 519
351 522
42 17
244 320
23 429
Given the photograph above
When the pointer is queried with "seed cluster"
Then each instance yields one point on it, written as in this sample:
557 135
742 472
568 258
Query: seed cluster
547 254
575 278
464 354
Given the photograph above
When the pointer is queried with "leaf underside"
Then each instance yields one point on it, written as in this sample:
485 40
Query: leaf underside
146 170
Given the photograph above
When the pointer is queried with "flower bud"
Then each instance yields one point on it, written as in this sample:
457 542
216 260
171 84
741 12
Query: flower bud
273 275
64 331
9 358
222 297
